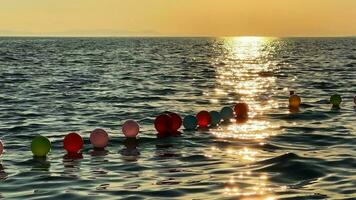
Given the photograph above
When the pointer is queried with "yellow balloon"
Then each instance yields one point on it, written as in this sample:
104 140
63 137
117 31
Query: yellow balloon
294 101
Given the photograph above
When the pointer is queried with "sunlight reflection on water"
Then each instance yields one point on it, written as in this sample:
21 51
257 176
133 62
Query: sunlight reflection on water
248 85
250 130
250 80
247 187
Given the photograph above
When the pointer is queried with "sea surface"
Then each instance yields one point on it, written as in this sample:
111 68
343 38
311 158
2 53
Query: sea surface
52 86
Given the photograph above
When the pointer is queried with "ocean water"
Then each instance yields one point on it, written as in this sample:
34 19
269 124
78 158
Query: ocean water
52 86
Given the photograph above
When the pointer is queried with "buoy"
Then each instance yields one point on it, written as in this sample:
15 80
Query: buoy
40 146
130 129
335 100
163 124
227 113
1 147
215 118
203 118
294 101
73 142
190 122
99 138
176 121
241 110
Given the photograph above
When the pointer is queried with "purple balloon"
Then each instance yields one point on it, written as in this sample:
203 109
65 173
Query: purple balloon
99 138
130 128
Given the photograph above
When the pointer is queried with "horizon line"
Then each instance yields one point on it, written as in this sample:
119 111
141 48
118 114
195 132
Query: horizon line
170 36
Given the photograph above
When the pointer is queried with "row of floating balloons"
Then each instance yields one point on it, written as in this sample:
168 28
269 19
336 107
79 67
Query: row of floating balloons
295 100
166 124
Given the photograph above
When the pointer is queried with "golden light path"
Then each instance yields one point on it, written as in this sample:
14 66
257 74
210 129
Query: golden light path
250 130
249 76
246 75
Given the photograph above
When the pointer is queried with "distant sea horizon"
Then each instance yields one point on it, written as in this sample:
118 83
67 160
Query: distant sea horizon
171 36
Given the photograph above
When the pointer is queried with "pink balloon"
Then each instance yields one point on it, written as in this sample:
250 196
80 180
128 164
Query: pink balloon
1 147
130 128
99 138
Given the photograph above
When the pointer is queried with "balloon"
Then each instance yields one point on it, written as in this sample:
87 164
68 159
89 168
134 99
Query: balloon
190 122
215 118
1 147
335 100
99 138
176 121
227 113
203 118
294 101
163 124
130 129
40 146
73 142
241 110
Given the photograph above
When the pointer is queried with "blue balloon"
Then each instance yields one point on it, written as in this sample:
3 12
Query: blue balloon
227 113
190 122
215 118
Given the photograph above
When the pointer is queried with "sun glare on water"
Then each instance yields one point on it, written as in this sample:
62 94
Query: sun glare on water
247 76
244 74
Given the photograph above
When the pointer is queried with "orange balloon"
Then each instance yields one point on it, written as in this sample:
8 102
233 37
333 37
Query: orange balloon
241 110
294 101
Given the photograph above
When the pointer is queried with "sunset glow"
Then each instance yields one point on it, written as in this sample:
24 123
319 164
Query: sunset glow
178 17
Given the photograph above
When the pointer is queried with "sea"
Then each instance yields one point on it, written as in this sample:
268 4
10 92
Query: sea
53 86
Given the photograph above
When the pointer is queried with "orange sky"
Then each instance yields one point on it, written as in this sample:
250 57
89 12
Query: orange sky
178 17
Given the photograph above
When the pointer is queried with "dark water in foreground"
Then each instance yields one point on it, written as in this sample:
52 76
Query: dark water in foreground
53 86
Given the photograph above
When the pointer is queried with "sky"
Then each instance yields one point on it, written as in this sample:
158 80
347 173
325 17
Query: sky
178 17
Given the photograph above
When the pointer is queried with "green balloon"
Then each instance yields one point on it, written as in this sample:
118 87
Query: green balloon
40 146
215 118
335 100
227 113
190 122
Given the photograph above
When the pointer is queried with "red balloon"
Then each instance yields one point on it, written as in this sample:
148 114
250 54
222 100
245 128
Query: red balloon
241 110
203 118
73 142
163 124
176 121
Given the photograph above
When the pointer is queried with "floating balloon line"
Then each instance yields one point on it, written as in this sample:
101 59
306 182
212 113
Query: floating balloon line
166 124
